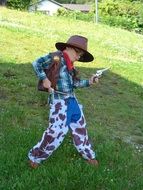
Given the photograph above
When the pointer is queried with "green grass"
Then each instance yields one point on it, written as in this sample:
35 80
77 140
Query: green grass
113 108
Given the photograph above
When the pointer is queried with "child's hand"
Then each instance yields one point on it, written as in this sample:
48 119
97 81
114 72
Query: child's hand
93 79
46 83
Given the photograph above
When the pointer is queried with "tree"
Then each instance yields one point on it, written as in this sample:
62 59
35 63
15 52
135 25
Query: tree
18 4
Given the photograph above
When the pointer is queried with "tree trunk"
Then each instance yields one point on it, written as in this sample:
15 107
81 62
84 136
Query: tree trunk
2 2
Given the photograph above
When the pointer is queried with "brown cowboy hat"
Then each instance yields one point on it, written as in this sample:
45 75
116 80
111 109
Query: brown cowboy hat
79 42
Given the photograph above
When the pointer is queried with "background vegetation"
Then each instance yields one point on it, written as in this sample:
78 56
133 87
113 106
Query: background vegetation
123 14
127 14
113 108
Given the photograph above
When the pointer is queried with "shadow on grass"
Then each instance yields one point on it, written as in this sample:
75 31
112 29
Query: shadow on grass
116 103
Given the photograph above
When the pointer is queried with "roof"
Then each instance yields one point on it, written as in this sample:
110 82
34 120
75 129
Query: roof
79 7
55 2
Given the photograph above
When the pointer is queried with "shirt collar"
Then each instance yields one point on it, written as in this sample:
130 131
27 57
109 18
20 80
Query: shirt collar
69 64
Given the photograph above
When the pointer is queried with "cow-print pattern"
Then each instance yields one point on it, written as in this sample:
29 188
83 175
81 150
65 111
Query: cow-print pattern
55 133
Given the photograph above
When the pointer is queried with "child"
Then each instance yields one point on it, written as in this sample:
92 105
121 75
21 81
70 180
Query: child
65 111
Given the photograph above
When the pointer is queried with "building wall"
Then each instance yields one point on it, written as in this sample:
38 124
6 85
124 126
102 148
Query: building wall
46 7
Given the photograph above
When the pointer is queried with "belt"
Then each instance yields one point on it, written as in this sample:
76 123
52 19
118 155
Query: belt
65 94
59 92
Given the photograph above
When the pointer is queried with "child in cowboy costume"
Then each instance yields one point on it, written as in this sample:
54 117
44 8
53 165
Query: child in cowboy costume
65 111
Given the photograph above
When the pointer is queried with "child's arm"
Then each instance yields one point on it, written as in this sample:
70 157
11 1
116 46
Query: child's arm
40 64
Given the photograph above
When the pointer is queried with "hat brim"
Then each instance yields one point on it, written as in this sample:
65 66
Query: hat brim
86 57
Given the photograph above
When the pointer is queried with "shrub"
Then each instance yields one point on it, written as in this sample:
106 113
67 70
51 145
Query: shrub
125 14
18 4
120 21
75 15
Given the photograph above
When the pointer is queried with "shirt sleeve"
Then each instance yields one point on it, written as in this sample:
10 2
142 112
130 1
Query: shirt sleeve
81 83
40 64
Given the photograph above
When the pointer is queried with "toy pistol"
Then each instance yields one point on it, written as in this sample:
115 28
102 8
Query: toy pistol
100 72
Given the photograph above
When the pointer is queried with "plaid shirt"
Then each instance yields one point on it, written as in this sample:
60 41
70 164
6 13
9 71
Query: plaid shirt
65 82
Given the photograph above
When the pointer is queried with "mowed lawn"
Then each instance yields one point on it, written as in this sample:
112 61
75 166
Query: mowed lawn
113 108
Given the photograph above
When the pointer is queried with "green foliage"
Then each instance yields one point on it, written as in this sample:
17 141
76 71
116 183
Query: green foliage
140 18
128 23
116 8
109 7
127 15
75 15
124 14
62 12
18 4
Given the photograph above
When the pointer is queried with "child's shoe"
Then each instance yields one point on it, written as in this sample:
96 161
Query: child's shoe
93 162
33 165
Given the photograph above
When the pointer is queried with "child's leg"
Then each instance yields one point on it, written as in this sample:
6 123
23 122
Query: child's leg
53 136
80 138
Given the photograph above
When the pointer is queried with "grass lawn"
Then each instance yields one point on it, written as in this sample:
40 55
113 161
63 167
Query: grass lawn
113 108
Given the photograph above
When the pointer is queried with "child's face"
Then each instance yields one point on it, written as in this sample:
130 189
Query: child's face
74 53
